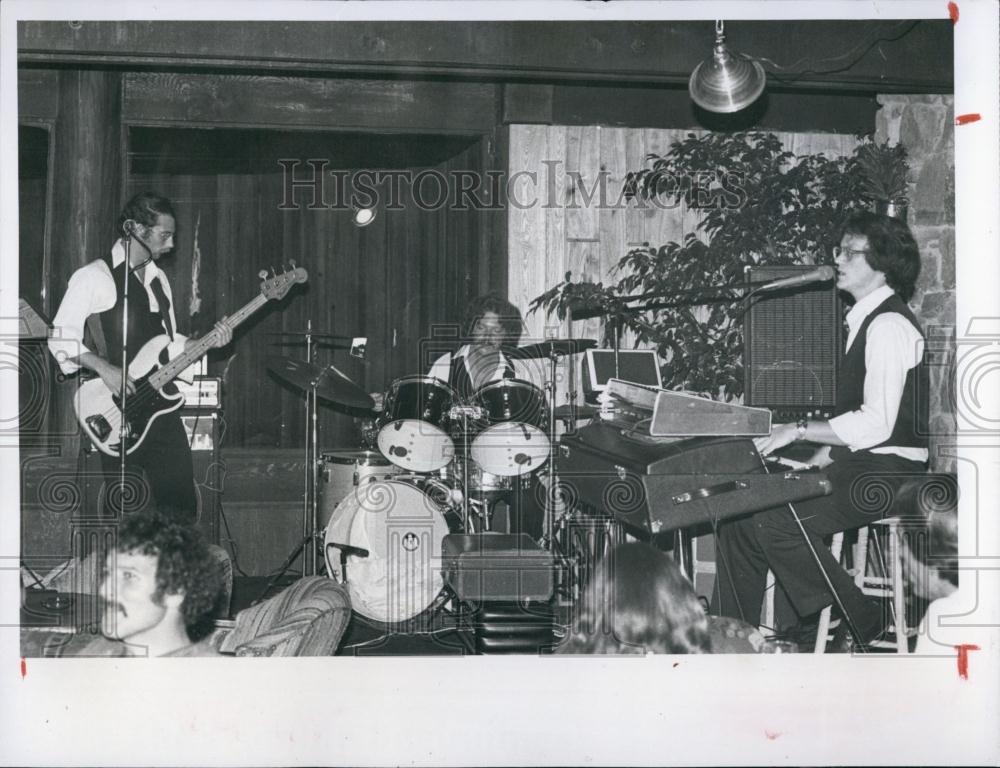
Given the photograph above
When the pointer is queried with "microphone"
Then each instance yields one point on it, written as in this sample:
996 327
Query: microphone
818 275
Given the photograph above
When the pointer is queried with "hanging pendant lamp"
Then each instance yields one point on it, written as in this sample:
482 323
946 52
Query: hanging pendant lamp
726 82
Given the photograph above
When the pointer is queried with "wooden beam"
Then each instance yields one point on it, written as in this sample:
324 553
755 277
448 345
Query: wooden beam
37 94
189 99
918 60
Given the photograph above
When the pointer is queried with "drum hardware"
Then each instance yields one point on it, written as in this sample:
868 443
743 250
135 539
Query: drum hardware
316 382
345 551
553 349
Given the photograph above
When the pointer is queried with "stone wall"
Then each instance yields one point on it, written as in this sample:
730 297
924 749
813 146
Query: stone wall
925 126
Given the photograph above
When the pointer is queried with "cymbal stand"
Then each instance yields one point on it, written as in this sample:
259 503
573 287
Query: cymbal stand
310 534
550 388
309 562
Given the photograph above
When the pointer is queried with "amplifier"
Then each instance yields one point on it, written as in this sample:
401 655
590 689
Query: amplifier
497 566
202 392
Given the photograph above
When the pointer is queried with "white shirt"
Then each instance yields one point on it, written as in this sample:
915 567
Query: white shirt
441 368
892 348
91 290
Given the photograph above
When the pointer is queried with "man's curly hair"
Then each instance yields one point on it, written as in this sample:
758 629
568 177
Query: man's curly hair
184 566
508 314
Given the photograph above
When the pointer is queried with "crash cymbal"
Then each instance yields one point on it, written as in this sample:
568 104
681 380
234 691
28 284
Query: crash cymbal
330 384
549 347
582 411
314 334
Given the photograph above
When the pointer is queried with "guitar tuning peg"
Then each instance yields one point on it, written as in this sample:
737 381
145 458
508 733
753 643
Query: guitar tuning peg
292 263
262 274
274 272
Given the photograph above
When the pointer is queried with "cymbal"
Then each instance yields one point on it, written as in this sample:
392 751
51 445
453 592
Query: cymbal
582 411
314 334
330 385
549 347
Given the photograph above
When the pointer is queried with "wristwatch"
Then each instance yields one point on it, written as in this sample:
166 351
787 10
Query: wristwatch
801 426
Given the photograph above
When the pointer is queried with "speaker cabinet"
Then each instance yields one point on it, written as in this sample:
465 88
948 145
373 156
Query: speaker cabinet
791 348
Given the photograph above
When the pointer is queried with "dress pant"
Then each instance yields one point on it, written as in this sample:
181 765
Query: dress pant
161 470
865 486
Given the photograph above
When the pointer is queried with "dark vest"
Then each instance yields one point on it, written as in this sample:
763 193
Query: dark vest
461 382
143 323
910 429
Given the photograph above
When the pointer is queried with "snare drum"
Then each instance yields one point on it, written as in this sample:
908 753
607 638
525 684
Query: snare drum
343 471
514 441
401 529
413 428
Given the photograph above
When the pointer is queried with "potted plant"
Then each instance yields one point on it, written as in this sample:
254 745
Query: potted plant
761 205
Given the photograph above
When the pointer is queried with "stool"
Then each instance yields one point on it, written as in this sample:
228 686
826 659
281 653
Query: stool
886 581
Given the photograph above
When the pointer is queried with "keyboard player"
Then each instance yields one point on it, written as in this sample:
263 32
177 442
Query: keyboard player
877 437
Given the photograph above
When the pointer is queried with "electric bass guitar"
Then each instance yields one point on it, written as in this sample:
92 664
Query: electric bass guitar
98 409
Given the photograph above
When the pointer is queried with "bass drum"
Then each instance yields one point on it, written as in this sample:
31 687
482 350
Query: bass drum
401 529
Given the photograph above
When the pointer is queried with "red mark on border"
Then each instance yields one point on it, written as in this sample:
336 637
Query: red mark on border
963 659
953 12
972 117
24 669
771 735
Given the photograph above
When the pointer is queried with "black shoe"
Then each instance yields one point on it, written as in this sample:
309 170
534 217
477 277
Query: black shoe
870 622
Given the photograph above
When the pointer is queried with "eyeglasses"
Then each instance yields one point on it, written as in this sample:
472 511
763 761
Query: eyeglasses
850 253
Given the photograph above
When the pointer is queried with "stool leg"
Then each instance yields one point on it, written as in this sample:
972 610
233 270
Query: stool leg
823 628
767 614
898 588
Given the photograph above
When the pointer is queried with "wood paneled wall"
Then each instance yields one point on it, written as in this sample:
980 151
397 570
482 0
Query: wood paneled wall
555 229
413 268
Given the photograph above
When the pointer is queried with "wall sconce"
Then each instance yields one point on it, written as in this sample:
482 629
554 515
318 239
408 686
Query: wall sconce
726 82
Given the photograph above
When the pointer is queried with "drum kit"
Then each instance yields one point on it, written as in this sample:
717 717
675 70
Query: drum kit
431 463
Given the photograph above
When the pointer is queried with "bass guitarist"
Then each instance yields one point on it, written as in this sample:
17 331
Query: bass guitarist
93 303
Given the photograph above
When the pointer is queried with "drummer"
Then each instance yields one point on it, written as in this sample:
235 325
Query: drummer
490 322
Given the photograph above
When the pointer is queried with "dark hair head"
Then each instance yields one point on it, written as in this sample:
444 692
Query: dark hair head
145 208
933 541
184 565
893 250
637 601
509 315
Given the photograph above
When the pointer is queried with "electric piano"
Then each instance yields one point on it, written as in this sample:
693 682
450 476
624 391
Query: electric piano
661 461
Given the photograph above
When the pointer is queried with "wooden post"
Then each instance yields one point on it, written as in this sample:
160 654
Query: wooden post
86 197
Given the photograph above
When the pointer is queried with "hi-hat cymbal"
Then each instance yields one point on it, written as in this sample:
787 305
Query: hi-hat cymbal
550 347
330 385
314 334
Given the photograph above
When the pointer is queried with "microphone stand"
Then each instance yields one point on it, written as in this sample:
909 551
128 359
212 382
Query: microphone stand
123 406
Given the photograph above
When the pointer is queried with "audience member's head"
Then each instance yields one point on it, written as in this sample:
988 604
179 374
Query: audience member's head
161 586
637 601
930 557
